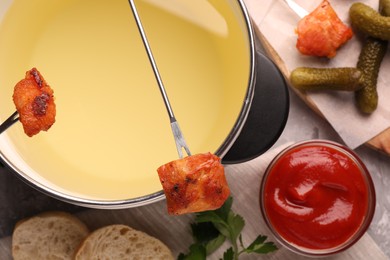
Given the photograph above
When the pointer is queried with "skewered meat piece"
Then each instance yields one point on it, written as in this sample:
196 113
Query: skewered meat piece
193 184
34 102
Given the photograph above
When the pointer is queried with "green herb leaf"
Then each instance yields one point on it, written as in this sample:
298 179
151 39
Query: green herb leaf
223 228
236 224
258 246
229 254
223 212
218 222
241 243
259 240
197 252
214 244
212 228
204 232
209 216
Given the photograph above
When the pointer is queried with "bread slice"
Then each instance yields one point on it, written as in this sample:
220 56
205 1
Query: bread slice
121 242
50 235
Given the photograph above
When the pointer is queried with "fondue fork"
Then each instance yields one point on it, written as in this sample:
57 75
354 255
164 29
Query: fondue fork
299 10
177 134
9 122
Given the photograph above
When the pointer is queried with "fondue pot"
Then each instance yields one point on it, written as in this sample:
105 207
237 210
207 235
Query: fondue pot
111 131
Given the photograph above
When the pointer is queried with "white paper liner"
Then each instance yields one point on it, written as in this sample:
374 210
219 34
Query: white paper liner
277 22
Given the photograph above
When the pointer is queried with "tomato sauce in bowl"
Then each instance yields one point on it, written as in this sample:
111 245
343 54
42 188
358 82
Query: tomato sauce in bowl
317 197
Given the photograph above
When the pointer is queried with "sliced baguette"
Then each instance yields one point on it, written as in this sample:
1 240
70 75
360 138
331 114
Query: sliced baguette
49 235
121 242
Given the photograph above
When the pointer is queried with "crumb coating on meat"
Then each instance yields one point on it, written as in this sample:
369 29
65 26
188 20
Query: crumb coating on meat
193 184
322 33
34 101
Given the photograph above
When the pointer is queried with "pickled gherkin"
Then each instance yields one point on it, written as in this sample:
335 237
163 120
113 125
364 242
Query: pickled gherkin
343 79
369 63
369 21
384 7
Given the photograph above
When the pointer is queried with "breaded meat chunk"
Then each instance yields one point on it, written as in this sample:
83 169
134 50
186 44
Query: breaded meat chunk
195 183
322 32
34 101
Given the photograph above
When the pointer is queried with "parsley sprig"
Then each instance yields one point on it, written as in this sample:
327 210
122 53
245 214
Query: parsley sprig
212 228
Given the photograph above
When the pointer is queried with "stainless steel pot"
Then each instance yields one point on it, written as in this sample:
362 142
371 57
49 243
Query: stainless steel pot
259 123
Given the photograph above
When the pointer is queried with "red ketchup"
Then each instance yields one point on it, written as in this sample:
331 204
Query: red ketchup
317 196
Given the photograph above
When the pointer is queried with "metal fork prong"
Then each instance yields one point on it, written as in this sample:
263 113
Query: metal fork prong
9 122
179 139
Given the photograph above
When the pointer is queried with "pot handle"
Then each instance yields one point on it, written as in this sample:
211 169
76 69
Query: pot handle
267 115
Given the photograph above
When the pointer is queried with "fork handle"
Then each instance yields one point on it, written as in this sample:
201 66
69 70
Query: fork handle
152 60
10 121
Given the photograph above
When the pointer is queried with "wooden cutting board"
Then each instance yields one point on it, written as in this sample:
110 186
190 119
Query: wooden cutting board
244 180
381 142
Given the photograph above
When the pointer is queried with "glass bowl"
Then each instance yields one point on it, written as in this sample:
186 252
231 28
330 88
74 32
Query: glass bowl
317 198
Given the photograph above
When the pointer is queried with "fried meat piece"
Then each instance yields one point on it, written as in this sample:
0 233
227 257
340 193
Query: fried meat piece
34 102
322 32
193 184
